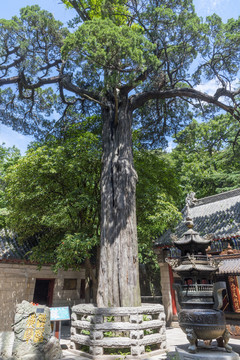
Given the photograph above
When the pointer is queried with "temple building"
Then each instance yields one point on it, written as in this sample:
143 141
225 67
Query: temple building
216 218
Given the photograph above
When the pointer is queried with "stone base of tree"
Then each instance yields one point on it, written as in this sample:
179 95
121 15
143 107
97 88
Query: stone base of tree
129 332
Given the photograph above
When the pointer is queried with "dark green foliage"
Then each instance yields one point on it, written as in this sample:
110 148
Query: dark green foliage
207 156
8 157
53 193
157 193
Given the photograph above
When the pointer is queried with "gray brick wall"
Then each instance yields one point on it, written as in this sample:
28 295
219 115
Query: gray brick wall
17 283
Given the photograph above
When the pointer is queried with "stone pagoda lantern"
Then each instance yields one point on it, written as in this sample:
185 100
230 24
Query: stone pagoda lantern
200 298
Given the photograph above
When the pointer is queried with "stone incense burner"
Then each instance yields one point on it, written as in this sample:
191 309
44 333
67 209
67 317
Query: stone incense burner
199 297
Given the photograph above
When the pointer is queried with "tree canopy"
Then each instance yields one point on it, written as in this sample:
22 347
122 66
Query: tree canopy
150 47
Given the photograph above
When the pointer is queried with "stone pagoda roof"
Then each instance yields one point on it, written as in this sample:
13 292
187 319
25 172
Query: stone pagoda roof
196 267
216 217
191 236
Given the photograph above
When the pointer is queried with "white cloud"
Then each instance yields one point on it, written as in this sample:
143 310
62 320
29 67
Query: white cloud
171 145
208 7
10 138
209 87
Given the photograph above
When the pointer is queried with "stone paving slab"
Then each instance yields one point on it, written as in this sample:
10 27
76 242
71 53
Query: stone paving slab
73 355
205 354
175 337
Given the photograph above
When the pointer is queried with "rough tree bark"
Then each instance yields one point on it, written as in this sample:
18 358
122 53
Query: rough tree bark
118 272
90 275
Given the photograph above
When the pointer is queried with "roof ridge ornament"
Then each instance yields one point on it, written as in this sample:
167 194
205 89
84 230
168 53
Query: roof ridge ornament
191 199
188 220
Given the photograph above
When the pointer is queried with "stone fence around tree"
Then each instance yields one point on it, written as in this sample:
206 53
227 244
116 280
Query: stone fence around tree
123 331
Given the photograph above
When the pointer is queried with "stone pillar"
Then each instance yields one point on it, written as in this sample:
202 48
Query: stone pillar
137 335
96 335
166 292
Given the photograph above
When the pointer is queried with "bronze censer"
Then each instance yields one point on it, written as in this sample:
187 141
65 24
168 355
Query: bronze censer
199 297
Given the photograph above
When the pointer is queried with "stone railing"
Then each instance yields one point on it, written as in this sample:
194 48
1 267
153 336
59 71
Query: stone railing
122 331
197 287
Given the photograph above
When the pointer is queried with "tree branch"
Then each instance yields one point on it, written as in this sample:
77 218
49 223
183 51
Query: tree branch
13 64
88 95
82 13
41 82
140 99
9 81
64 81
127 88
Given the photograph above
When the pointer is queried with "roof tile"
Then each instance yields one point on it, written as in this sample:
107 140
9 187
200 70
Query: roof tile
218 215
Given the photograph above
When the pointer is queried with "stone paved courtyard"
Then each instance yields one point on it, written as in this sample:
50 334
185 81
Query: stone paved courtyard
175 337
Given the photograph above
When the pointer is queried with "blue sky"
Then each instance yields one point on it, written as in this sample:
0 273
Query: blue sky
224 8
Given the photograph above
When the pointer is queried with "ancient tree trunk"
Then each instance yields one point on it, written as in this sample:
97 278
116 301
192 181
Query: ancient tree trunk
118 272
90 282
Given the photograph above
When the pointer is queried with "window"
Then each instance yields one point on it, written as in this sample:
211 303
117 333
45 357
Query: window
70 284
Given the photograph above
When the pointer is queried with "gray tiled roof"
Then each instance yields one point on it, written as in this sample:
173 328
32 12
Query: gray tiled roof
217 215
10 249
230 266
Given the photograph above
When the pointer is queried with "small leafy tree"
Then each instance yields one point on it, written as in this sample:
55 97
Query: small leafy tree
53 195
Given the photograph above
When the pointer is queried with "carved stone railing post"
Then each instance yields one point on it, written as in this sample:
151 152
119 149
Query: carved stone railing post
137 335
73 330
96 335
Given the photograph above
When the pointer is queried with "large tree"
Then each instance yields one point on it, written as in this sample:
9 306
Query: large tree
136 62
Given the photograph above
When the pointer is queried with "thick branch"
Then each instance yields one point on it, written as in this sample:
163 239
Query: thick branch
88 95
127 88
26 84
9 81
13 64
63 80
80 9
140 99
41 82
